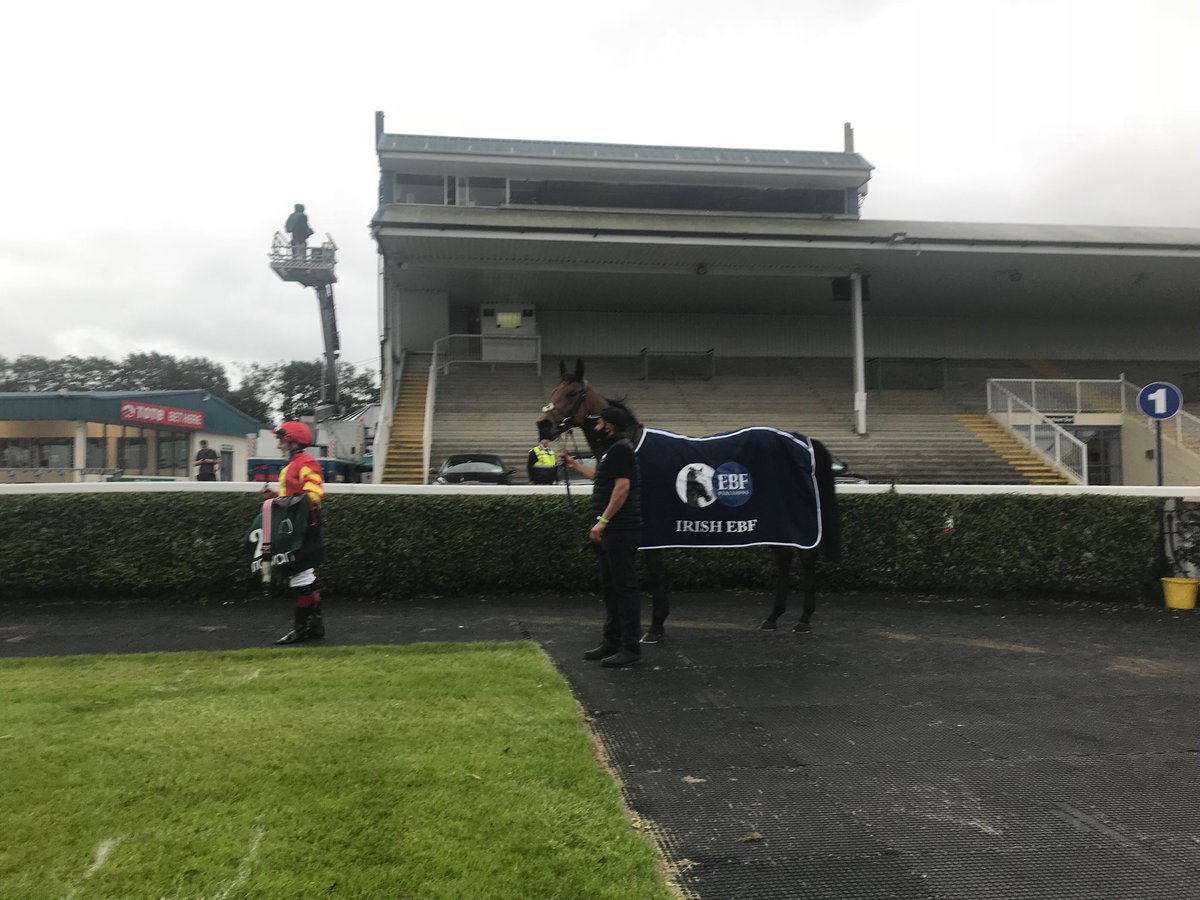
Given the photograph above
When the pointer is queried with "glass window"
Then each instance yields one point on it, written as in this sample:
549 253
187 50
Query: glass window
429 189
16 453
95 453
172 454
131 454
54 453
486 192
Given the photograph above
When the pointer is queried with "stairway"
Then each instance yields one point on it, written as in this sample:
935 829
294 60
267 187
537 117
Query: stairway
1011 450
406 443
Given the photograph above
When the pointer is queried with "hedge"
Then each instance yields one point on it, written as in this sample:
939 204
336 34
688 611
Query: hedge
191 546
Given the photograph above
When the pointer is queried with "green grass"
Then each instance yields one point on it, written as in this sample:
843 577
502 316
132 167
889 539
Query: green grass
428 771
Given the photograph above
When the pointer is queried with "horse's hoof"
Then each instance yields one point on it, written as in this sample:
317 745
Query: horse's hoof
767 625
652 637
802 628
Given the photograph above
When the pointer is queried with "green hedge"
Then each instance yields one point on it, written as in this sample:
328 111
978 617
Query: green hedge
190 545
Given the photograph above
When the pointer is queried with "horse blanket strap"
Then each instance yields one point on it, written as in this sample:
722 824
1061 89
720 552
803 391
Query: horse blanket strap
741 488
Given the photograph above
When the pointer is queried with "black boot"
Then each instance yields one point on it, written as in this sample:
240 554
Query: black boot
299 630
622 658
316 625
605 649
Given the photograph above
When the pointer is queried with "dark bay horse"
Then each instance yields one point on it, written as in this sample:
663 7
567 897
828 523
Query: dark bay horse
575 403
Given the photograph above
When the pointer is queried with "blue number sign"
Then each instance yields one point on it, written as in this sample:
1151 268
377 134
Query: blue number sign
1160 400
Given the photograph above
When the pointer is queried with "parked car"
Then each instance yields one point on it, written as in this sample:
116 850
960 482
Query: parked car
565 474
843 475
472 468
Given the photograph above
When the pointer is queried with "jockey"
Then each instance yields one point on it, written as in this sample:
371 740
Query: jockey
301 476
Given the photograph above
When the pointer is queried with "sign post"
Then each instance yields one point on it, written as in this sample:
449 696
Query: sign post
1159 400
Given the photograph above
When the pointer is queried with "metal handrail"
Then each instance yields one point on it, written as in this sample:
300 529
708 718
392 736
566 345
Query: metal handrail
430 395
443 347
294 256
1074 463
1066 395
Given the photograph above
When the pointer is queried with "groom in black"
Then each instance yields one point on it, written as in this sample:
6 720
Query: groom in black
617 506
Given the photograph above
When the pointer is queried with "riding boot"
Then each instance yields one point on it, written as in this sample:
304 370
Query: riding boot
316 625
299 630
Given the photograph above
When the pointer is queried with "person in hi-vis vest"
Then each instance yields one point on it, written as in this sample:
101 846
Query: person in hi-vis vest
543 464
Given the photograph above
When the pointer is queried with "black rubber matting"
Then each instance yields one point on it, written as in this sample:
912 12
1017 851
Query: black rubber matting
925 752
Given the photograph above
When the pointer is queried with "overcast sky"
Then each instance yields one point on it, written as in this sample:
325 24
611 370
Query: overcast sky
151 149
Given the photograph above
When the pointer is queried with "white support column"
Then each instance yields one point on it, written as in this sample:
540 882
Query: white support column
79 451
860 366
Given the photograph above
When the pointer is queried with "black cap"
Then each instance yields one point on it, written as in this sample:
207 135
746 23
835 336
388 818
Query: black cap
616 417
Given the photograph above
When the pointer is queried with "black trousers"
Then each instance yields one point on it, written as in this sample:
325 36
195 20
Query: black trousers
622 599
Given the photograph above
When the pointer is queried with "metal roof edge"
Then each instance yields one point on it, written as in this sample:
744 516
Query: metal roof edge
576 150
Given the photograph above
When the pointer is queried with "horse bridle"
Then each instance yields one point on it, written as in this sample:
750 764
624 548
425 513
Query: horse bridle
564 425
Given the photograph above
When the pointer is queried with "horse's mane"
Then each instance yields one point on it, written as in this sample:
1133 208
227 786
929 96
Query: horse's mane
620 404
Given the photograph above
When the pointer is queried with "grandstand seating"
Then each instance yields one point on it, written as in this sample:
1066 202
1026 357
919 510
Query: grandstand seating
916 436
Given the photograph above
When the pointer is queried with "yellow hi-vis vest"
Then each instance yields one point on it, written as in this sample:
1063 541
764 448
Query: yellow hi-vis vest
545 458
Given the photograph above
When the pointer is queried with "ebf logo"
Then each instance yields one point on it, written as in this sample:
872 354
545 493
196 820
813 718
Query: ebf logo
732 484
699 485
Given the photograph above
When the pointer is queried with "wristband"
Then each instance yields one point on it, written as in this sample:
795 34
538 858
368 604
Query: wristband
602 520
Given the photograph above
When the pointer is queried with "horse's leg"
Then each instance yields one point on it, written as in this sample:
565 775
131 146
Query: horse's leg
809 564
657 570
783 571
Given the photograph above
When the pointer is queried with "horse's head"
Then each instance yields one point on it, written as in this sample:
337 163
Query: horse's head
572 402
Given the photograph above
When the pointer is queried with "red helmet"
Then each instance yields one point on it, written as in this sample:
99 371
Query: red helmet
296 432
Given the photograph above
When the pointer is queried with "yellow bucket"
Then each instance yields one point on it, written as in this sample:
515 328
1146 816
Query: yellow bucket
1180 593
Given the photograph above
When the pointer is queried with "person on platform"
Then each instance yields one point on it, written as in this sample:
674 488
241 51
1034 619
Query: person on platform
297 227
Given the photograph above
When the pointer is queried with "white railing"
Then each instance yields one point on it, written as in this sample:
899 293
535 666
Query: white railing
1044 437
286 255
430 395
1061 396
477 348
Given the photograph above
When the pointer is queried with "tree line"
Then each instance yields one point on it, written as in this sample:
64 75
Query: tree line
267 391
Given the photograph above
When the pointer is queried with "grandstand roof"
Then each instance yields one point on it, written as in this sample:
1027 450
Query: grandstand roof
807 159
535 255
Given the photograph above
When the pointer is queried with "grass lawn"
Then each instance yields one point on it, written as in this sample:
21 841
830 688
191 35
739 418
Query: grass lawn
426 771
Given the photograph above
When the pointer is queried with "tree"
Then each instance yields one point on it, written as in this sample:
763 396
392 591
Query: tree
159 372
267 391
255 395
298 387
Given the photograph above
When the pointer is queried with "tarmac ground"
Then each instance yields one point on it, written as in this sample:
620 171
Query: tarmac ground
908 748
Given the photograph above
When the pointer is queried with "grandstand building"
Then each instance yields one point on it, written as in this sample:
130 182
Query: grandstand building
715 287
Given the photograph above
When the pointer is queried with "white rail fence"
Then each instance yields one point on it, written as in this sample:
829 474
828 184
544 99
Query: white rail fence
1031 425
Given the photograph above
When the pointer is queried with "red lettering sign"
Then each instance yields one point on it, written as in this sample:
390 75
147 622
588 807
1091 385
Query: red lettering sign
166 416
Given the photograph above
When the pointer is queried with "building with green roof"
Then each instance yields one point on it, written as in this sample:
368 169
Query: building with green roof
96 435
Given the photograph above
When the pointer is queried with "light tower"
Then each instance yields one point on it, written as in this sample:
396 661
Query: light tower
313 267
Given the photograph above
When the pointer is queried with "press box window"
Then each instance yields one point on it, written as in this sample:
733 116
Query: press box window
486 191
427 189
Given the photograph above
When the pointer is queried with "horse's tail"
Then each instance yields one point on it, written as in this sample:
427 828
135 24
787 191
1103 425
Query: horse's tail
831 521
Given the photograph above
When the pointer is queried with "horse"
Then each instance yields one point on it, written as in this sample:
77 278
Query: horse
575 403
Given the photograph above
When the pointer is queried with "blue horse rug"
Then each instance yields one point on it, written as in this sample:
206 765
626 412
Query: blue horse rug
743 488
